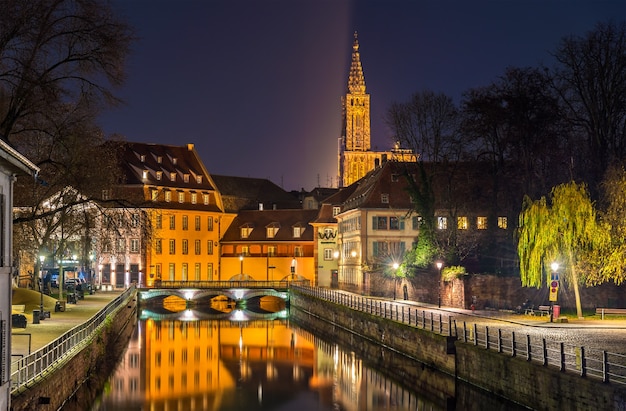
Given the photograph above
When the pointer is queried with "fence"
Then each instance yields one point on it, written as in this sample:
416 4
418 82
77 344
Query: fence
30 367
600 364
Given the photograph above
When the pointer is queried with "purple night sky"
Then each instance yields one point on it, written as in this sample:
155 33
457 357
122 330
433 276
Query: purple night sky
256 85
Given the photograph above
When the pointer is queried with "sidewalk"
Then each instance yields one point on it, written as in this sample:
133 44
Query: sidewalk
35 336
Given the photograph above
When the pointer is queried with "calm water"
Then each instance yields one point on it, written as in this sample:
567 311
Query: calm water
243 361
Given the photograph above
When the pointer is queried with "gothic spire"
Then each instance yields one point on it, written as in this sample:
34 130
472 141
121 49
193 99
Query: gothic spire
356 81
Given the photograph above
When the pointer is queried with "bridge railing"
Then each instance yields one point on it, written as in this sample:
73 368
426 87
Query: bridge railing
220 285
34 365
599 364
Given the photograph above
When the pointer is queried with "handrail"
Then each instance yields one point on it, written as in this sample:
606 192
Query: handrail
32 366
220 285
599 364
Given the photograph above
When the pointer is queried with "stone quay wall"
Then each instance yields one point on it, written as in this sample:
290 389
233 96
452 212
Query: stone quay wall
526 383
91 366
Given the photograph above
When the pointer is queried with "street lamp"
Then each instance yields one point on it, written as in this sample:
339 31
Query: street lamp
554 289
395 285
41 260
439 265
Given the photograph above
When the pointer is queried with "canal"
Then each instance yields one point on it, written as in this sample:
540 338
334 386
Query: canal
223 358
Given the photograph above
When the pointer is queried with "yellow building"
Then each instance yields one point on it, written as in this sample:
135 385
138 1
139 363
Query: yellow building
356 158
181 219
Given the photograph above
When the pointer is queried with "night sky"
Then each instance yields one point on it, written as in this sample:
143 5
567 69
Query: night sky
256 85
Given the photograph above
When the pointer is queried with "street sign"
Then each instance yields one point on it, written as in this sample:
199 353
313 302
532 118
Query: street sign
554 289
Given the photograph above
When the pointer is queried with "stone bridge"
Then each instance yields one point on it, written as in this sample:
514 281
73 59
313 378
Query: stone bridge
238 291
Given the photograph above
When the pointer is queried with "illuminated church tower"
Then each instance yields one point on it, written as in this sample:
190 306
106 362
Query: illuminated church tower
355 156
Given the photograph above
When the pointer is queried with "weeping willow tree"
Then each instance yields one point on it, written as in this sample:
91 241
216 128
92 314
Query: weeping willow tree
565 229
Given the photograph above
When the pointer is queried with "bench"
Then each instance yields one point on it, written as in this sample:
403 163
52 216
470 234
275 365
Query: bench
544 310
607 311
18 321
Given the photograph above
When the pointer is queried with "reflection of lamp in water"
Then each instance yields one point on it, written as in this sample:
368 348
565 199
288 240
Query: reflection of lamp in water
395 276
41 259
293 267
241 265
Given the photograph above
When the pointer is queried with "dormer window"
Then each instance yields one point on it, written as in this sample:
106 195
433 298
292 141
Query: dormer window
297 231
142 158
159 159
246 230
173 176
174 160
336 210
144 174
272 230
159 175
199 179
384 198
186 178
205 198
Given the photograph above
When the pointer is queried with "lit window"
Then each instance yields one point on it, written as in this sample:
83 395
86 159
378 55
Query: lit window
197 223
205 198
384 198
172 246
168 196
144 174
134 220
297 231
158 221
209 223
173 176
209 271
158 246
185 222
272 230
197 271
442 223
186 178
462 223
159 175
194 198
209 247
159 159
245 231
154 194
142 158
328 254
199 179
271 251
416 221
185 247
172 222
197 247
181 197
502 223
134 245
245 250
336 210
481 223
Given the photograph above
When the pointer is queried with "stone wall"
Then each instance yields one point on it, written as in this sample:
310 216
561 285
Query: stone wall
93 365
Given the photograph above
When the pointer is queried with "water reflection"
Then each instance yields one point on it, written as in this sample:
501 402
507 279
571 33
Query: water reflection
194 359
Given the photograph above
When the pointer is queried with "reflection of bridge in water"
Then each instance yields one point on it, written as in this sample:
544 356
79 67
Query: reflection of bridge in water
195 292
195 314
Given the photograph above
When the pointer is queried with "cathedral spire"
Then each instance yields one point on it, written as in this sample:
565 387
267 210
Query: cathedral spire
356 81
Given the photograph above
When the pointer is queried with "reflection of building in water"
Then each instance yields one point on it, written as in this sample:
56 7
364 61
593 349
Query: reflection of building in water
127 383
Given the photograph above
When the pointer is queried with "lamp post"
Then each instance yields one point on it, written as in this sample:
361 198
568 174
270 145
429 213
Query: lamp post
554 289
41 260
395 277
439 265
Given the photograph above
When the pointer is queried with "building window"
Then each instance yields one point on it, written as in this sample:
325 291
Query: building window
336 210
144 174
271 251
379 223
197 271
134 245
194 198
462 223
172 222
481 223
106 194
172 272
209 223
134 220
158 221
172 246
396 223
209 247
159 159
272 230
185 270
185 222
245 250
442 223
197 247
297 231
205 198
186 178
172 176
185 247
121 245
384 198
199 179
181 197
159 175
154 194
209 271
168 196
383 249
328 254
416 222
158 246
106 246
245 231
297 251
197 223
502 223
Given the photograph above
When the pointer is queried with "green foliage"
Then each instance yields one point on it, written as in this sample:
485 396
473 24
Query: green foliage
452 272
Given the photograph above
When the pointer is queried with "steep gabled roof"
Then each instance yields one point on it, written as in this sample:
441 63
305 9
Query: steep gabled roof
246 193
260 220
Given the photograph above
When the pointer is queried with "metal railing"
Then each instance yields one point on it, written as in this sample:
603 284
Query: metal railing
37 364
221 285
600 364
